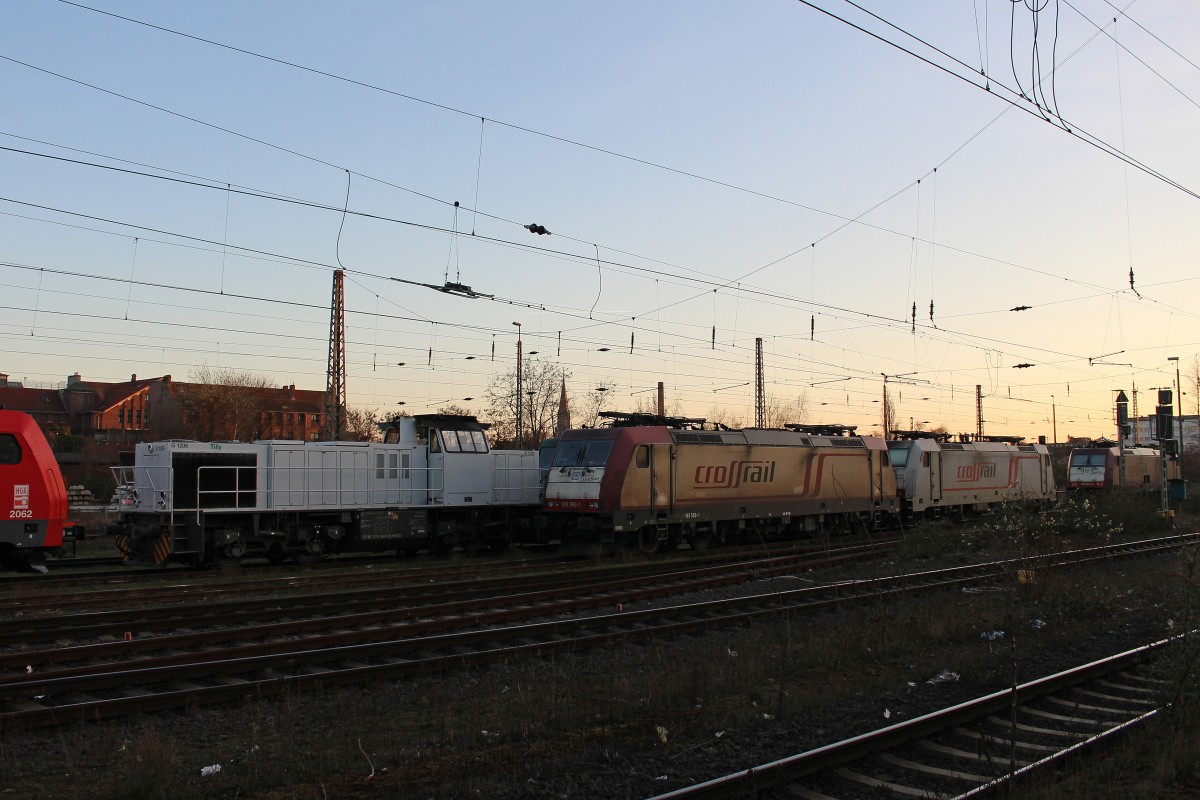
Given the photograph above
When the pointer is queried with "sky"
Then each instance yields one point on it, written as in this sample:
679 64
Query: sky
178 182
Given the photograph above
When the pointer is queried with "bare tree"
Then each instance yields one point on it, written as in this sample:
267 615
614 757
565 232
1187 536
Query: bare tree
455 410
362 425
1194 380
720 415
645 405
593 402
889 414
221 403
779 411
541 383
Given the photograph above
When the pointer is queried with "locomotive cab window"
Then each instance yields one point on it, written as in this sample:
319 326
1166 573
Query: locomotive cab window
582 453
641 458
10 449
897 455
596 454
569 453
464 441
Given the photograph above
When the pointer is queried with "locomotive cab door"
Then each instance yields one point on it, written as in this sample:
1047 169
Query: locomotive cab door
392 482
934 459
662 478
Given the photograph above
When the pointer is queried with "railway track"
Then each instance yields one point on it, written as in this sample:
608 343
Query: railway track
332 581
387 599
116 678
84 571
969 750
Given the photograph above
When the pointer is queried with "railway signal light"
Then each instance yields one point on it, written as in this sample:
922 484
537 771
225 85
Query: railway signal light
1164 419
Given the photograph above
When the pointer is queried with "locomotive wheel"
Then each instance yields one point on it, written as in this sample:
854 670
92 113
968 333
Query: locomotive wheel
229 555
312 552
649 543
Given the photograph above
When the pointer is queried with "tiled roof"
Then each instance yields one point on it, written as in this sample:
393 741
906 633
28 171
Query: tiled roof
110 395
307 401
31 401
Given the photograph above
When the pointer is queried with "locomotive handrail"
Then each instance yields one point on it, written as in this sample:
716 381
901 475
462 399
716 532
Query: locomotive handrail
237 490
513 493
433 491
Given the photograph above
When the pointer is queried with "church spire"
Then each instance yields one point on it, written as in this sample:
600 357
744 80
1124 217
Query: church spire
563 423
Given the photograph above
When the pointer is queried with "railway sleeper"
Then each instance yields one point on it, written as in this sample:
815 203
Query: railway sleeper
928 769
1001 741
181 686
877 783
1020 726
966 755
24 706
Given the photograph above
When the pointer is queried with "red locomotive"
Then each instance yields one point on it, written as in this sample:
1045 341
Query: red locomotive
33 498
654 482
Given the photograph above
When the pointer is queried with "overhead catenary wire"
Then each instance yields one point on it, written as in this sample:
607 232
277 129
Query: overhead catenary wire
1071 129
656 279
721 283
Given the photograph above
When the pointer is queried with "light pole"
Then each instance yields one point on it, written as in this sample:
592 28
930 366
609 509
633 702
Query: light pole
1054 418
519 359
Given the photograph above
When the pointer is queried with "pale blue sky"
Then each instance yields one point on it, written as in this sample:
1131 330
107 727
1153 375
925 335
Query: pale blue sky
820 120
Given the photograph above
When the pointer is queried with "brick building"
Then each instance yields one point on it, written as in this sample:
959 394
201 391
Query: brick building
149 409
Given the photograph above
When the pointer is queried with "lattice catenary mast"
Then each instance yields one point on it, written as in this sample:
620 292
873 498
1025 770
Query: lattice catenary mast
978 412
335 374
760 404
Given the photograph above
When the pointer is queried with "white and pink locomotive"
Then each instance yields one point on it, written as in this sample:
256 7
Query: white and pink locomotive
937 476
1099 467
433 483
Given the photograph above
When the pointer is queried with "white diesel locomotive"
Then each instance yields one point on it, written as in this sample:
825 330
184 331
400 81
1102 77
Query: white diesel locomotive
433 483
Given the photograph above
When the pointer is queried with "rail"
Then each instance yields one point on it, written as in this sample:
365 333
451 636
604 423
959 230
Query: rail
821 759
